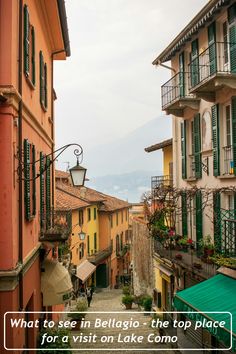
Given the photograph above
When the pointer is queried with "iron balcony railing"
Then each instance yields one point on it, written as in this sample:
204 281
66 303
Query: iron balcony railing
175 89
158 181
228 160
189 259
228 243
56 226
213 60
100 255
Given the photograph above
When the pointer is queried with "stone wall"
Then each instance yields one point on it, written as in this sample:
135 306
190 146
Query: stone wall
141 258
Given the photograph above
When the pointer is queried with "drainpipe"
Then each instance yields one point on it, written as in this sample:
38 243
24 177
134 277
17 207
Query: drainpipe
166 66
20 221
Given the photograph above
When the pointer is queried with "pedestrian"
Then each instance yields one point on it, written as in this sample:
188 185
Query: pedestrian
89 295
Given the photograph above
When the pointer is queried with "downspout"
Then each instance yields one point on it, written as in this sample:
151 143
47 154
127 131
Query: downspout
20 219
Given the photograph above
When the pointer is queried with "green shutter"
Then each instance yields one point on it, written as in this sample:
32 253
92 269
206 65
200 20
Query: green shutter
197 146
232 36
198 217
194 64
184 214
45 86
27 178
212 48
42 194
33 56
41 74
233 108
183 149
34 179
215 139
95 242
88 245
26 40
48 191
181 75
217 220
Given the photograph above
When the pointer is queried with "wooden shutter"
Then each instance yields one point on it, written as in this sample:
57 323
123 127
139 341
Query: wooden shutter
95 242
34 179
181 75
198 217
217 220
215 139
27 178
48 192
194 63
45 86
233 108
183 150
184 214
197 146
42 194
88 245
42 84
212 47
232 36
33 56
26 40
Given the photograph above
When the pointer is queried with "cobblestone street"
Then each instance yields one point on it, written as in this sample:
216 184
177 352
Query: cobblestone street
110 300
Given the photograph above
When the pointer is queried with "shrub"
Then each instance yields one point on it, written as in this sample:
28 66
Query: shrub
147 303
80 307
57 344
127 299
126 290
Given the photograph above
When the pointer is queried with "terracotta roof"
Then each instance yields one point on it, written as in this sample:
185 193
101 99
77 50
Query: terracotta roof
65 201
204 16
61 174
107 202
159 146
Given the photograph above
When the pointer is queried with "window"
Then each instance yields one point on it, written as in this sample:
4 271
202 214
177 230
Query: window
127 213
29 180
81 250
43 81
95 213
95 242
88 214
121 241
81 217
45 191
88 245
122 216
117 218
117 244
228 149
29 49
226 42
228 125
111 220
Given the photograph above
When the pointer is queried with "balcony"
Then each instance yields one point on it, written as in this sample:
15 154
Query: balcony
189 260
56 226
228 161
210 71
228 243
123 252
175 97
159 181
100 255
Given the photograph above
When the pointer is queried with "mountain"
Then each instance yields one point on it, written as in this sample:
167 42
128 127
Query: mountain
128 186
127 154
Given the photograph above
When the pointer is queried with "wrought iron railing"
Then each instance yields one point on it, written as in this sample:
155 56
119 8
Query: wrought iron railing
224 235
191 259
100 255
158 181
55 226
175 89
213 60
228 160
228 244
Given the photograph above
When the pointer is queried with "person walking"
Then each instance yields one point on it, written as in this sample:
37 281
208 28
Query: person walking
89 295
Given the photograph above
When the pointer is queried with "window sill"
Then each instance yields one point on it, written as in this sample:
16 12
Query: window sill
190 179
30 83
226 176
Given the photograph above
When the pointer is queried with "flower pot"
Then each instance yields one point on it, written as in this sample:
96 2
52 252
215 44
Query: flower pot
77 326
128 306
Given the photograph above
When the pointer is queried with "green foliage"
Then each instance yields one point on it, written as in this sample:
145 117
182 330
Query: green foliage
57 344
127 299
206 243
223 261
126 290
80 307
147 303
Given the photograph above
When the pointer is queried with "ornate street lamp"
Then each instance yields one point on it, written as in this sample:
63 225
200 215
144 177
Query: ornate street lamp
82 235
78 172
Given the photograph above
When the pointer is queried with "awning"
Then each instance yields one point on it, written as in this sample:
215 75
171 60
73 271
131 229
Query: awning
215 294
85 270
56 284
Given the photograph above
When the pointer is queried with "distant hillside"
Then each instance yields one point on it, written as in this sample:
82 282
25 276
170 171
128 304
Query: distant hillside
127 154
128 186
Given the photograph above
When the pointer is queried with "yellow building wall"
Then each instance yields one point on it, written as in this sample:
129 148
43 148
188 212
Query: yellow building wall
89 227
167 158
157 279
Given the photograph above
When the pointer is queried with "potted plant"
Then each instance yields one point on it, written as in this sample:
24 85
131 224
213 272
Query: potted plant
128 300
78 310
126 290
178 256
207 246
147 303
57 344
183 242
197 265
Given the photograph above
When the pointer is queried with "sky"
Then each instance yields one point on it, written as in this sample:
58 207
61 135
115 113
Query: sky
109 87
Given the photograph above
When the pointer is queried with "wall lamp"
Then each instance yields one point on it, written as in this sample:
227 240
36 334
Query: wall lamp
77 172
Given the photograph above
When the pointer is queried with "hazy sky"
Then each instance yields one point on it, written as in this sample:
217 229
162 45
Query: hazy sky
108 87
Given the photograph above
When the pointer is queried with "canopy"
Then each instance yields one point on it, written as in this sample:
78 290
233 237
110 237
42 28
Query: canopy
215 294
84 270
56 284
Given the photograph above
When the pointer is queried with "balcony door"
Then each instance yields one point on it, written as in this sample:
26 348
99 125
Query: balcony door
228 151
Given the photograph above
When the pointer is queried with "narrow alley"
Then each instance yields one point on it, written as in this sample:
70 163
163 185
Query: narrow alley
110 300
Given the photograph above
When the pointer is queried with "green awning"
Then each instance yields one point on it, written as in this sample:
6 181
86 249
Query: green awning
215 294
